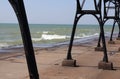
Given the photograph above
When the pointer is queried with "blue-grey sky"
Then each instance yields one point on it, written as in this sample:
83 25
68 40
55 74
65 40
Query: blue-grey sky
46 12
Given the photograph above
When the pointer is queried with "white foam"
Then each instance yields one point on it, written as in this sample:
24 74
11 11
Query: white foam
83 35
46 36
36 39
96 34
51 37
38 32
3 45
45 32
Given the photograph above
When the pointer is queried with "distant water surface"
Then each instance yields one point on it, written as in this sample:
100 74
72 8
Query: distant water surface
47 34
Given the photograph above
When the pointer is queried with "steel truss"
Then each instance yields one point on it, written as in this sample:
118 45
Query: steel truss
98 15
113 5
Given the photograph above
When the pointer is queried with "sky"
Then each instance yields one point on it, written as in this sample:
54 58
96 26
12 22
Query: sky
46 12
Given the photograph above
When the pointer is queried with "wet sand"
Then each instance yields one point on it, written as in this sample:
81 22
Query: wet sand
13 63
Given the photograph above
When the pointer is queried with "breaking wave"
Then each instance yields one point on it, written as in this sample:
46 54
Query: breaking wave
46 36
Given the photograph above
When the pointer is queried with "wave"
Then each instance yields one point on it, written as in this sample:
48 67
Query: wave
44 32
51 37
83 35
46 36
3 45
36 39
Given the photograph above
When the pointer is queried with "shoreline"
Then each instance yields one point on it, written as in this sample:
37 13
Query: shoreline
49 62
81 40
76 41
18 50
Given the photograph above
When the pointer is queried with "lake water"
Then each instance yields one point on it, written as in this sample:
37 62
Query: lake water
47 34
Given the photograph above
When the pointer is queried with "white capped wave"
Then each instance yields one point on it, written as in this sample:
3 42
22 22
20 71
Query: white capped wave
36 39
3 45
46 36
38 32
96 34
44 32
51 37
83 35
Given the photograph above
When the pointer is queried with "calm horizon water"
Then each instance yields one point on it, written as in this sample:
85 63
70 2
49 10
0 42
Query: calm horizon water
47 33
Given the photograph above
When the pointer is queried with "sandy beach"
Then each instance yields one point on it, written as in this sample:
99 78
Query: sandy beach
13 63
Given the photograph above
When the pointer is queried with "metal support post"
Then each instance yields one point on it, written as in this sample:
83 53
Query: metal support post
105 58
99 46
118 38
112 31
69 61
104 64
69 56
111 37
19 9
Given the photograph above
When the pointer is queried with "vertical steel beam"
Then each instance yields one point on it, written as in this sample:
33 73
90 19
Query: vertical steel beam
119 28
69 55
76 19
99 40
112 31
19 9
105 58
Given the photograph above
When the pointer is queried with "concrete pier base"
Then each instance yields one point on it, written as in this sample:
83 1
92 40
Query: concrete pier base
119 49
99 49
105 65
71 63
111 42
118 38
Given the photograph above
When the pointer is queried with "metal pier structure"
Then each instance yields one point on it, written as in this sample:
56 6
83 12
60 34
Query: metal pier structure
97 13
114 5
19 9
